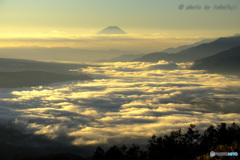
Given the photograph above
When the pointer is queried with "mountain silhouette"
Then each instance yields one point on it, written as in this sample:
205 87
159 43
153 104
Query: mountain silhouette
26 73
194 53
122 58
226 62
35 78
18 65
184 47
112 30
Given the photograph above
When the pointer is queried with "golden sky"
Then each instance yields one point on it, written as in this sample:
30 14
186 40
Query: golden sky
151 24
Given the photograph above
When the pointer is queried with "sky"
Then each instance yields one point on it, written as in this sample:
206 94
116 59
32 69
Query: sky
145 20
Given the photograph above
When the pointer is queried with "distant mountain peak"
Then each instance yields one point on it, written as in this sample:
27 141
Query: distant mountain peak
112 30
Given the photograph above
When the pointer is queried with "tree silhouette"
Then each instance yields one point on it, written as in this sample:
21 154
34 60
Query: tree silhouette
178 146
113 153
222 134
208 139
234 131
98 154
133 153
154 147
191 141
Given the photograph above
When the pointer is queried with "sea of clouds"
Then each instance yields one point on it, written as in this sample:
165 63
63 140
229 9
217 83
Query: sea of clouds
125 103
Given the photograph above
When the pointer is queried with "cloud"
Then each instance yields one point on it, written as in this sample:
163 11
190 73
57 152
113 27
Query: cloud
126 103
141 43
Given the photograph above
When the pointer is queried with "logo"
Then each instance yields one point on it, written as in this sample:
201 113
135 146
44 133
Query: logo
212 154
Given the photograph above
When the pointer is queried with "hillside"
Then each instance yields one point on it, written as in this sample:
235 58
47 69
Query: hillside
184 47
227 62
123 58
194 53
14 65
26 73
35 78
